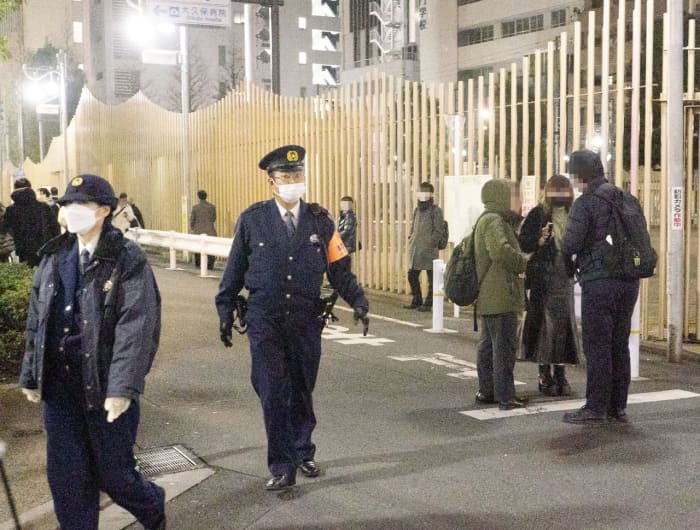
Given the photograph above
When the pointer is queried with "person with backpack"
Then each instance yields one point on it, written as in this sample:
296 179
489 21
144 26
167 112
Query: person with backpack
608 297
427 237
499 267
549 336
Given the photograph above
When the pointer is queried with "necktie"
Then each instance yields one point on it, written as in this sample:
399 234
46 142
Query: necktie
84 260
289 222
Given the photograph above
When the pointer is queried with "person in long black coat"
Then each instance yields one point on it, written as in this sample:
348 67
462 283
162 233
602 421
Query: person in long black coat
550 336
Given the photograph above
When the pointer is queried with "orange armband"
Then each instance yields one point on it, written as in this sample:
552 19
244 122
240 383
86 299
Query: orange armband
336 248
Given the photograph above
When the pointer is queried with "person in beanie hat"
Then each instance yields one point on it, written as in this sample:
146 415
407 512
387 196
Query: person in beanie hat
92 332
606 302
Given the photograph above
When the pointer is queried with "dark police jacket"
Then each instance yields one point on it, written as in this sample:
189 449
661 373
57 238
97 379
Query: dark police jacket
119 317
283 276
587 228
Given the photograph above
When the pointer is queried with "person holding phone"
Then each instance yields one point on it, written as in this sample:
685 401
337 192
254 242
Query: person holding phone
549 334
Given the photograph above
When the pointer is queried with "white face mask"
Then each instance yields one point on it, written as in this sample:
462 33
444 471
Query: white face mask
345 206
80 219
424 196
291 192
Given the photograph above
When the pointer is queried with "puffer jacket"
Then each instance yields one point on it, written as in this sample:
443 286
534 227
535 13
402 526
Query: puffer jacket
120 315
499 261
587 227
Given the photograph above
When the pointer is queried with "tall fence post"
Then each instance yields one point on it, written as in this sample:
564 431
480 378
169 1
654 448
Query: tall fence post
439 298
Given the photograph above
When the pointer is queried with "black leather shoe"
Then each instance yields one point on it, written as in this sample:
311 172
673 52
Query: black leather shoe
280 482
484 399
425 308
160 525
309 469
511 404
412 306
585 416
618 416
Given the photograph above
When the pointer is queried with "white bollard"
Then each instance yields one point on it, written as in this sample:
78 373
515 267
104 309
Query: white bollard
438 294
203 258
455 310
439 298
173 259
634 341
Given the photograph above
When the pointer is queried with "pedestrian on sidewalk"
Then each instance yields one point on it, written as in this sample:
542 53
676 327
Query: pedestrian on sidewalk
123 216
427 230
550 335
92 332
347 224
281 249
499 266
607 302
202 219
30 223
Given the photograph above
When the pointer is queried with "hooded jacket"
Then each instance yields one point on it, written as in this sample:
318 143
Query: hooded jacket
499 261
120 313
31 224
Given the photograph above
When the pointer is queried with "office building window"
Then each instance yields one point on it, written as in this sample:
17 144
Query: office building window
302 57
222 55
559 18
302 22
522 25
467 37
77 32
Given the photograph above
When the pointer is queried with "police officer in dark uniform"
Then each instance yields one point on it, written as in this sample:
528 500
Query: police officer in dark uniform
281 249
92 331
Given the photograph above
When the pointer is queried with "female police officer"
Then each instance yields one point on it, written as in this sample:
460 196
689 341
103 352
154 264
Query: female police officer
92 331
280 251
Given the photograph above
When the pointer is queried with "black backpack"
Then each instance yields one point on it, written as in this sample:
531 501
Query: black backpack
461 282
630 254
442 243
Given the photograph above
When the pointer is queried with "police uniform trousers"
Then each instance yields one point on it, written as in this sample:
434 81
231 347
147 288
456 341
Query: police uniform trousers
606 313
85 454
286 352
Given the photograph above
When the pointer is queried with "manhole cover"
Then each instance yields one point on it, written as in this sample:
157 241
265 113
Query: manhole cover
162 460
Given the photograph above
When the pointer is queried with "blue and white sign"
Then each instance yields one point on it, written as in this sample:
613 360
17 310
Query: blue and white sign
196 12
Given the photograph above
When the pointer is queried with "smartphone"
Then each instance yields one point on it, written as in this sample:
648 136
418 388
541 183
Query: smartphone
549 228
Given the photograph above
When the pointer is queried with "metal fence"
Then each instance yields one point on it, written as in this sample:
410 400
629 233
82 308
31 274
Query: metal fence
378 138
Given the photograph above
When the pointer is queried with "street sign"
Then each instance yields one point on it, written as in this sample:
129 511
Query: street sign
196 12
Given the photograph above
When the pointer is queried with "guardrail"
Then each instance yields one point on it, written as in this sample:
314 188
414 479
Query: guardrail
174 241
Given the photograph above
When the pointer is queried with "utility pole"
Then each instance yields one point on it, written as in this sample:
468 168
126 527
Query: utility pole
674 171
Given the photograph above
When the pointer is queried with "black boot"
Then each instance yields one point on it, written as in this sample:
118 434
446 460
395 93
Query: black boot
416 302
563 386
545 383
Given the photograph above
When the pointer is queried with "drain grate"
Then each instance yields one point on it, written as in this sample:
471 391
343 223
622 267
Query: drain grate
162 460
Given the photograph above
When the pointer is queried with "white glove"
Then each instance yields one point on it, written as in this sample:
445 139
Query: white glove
115 407
32 395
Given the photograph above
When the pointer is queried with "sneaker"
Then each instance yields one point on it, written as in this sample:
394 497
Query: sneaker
618 416
585 416
511 404
484 399
425 308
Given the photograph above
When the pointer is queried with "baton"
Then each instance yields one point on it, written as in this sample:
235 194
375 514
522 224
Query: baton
6 483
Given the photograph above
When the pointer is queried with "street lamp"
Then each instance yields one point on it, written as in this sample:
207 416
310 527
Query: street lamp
47 84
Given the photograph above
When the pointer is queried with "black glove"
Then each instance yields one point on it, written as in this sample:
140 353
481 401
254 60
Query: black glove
226 334
360 314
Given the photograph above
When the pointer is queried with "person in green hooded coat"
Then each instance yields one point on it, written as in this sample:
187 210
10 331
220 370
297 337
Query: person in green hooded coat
500 266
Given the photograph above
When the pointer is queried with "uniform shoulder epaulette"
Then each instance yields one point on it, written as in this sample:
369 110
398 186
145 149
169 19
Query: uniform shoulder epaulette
317 209
255 206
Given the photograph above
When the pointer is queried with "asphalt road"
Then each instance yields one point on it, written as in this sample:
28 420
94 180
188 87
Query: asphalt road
395 449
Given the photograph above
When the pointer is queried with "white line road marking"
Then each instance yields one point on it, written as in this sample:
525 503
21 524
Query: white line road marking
340 334
380 317
573 404
466 370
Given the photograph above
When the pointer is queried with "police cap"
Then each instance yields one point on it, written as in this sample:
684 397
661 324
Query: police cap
89 188
285 158
586 165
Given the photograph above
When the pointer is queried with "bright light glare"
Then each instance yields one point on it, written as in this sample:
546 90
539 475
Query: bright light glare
51 88
140 30
33 92
485 114
166 28
597 141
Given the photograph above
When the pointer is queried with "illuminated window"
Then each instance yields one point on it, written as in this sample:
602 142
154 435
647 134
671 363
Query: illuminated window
302 22
302 57
77 32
